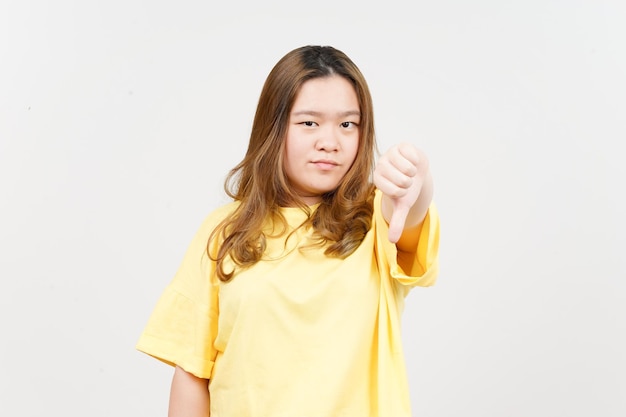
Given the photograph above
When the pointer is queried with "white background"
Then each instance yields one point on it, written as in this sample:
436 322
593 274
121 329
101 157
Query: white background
120 119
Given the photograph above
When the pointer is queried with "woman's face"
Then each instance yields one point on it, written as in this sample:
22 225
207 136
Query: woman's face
322 136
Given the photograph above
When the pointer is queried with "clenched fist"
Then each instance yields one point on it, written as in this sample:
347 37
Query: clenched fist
402 175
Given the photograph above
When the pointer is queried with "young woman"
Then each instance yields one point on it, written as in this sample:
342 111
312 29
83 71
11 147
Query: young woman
288 301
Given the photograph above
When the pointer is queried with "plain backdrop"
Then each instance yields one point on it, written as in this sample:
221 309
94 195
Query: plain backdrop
120 119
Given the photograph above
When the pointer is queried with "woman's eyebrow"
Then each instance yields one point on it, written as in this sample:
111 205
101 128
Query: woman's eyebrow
321 114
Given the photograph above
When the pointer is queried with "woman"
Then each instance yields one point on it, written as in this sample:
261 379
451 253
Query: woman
288 300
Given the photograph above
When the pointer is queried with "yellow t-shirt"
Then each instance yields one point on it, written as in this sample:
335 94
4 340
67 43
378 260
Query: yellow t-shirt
298 334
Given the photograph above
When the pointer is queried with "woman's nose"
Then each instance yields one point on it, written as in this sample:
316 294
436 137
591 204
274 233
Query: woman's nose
328 140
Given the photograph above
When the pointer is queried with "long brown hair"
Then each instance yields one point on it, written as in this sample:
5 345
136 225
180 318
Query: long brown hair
261 186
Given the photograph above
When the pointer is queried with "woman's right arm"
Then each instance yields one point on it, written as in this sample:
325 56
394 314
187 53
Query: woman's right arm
189 395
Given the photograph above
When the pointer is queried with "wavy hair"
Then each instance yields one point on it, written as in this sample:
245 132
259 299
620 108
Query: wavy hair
261 186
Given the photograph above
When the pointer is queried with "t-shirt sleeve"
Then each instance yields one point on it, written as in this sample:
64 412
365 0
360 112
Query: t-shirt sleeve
183 325
423 265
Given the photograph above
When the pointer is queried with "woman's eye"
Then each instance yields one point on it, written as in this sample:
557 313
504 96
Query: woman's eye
348 124
309 124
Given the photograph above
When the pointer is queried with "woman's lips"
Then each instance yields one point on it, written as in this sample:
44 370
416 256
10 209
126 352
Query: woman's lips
325 164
